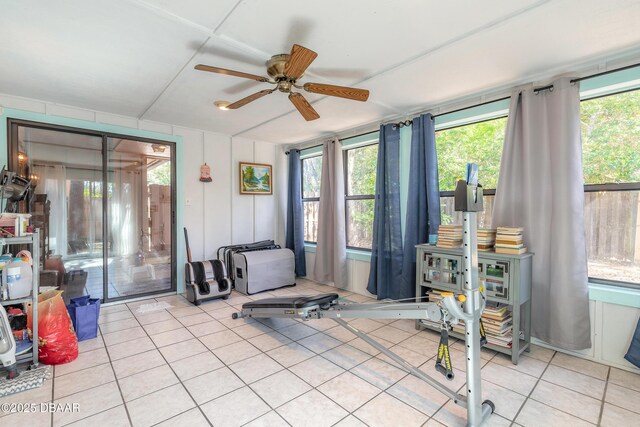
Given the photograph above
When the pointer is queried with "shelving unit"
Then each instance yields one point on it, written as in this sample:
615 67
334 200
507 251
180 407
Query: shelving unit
34 241
507 280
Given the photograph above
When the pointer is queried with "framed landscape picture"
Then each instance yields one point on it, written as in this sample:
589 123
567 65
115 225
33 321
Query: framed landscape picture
255 178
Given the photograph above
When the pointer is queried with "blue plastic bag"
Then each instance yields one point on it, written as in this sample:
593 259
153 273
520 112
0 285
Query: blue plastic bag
84 312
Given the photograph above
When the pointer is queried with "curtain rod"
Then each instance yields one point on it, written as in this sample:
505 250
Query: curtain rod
573 81
502 99
305 148
332 140
408 122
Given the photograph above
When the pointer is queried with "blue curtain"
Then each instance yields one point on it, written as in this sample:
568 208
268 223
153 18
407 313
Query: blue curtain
295 226
423 201
385 273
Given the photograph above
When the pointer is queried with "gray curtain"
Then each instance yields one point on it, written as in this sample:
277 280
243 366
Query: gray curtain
331 249
423 201
294 238
385 274
540 187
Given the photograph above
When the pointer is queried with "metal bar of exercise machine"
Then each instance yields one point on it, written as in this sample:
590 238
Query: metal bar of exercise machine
468 200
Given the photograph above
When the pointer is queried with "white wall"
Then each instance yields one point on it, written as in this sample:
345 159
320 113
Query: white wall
216 213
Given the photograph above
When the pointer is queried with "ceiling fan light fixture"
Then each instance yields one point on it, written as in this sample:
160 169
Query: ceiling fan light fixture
284 71
158 148
222 105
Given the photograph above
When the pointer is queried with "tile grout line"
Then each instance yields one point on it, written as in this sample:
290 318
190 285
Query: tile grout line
173 371
116 377
515 417
90 388
284 368
235 374
604 396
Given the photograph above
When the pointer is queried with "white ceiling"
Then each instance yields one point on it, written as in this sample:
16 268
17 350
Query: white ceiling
136 57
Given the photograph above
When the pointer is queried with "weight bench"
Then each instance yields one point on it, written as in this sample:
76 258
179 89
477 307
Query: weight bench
469 200
449 311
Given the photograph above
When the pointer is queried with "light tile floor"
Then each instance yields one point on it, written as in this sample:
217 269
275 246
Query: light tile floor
165 362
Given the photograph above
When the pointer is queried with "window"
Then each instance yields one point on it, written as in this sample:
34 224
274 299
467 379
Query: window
311 175
611 163
360 185
480 143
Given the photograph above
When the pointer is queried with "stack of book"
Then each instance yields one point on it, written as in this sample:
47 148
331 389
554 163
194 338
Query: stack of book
498 324
449 236
496 319
486 239
509 241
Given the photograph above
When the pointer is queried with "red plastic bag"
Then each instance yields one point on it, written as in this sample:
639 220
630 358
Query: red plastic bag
57 342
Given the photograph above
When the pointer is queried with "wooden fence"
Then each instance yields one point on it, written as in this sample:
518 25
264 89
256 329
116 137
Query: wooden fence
611 223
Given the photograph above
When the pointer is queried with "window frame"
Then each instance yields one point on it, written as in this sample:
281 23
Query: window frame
307 199
347 197
500 113
610 187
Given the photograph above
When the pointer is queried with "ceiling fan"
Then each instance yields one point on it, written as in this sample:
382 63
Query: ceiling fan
285 70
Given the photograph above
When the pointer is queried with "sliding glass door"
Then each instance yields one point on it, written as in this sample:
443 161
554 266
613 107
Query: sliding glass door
105 206
140 205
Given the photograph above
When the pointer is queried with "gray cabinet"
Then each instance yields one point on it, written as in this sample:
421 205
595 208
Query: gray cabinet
507 280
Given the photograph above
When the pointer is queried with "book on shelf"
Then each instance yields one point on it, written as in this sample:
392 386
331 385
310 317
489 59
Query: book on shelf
497 330
509 251
498 322
505 342
509 246
486 239
449 236
509 241
495 307
506 241
449 245
510 230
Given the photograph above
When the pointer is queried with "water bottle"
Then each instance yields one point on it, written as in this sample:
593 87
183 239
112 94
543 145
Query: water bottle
17 278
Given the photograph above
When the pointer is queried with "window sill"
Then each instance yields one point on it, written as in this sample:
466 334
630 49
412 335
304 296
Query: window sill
614 295
351 253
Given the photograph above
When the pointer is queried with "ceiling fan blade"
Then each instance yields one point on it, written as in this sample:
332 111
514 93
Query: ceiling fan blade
202 67
299 60
248 99
303 106
340 91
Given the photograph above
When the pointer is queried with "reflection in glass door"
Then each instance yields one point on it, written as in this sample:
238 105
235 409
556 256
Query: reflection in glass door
104 206
139 226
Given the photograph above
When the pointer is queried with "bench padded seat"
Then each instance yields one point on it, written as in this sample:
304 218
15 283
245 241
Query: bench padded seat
291 302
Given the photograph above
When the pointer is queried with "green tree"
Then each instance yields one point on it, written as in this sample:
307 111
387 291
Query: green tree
312 169
479 143
611 138
160 175
361 180
250 175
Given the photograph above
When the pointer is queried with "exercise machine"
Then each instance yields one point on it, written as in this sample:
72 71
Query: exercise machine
466 307
205 280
